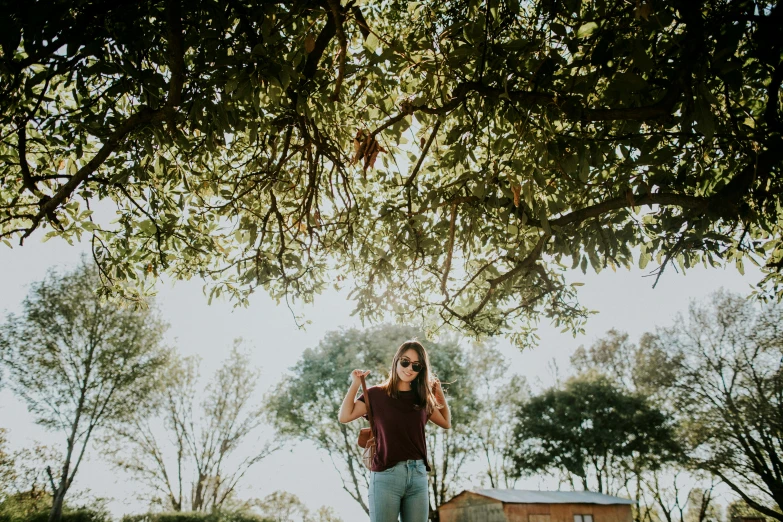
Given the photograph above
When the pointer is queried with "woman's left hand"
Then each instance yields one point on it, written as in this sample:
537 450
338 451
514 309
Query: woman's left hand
437 390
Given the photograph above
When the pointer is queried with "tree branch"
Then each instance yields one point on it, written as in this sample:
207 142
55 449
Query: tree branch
667 199
324 37
572 109
361 21
21 147
47 206
761 508
449 250
337 15
424 151
176 53
522 266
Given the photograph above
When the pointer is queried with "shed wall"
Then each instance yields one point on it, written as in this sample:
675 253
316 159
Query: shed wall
566 512
469 507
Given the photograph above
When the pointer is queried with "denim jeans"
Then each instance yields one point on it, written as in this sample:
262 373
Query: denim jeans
400 491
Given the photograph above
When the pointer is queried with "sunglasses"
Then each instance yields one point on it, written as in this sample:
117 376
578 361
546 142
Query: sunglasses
415 366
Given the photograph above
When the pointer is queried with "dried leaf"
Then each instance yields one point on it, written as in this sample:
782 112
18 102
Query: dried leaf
642 10
366 148
370 153
516 190
371 160
359 144
309 43
629 197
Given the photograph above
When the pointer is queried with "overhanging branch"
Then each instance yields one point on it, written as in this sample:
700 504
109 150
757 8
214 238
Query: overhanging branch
664 199
47 206
573 109
176 52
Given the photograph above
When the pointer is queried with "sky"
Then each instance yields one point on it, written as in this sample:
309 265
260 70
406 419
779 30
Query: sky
624 300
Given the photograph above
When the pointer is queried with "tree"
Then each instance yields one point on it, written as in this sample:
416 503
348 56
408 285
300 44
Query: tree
500 395
80 363
23 479
449 450
307 405
642 368
701 506
7 473
326 514
590 430
729 394
190 458
282 506
661 493
739 509
451 157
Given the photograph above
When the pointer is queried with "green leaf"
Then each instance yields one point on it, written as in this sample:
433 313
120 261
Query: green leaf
147 227
544 219
585 30
705 120
371 43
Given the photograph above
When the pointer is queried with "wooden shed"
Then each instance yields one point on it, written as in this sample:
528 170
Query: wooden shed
514 505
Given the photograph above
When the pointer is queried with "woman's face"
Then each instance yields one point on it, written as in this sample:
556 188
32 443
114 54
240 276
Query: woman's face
407 374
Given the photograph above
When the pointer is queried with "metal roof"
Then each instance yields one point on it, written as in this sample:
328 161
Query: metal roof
521 496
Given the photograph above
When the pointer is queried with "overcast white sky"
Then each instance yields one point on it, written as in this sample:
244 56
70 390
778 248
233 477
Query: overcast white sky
625 301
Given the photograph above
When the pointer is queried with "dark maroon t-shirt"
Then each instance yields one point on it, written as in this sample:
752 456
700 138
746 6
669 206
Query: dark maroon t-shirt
399 428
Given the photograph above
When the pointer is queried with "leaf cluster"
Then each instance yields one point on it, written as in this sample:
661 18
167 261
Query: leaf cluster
522 139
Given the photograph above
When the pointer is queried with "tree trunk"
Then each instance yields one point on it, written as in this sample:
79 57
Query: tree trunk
56 513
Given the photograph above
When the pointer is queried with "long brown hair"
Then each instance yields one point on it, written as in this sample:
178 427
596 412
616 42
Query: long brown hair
421 385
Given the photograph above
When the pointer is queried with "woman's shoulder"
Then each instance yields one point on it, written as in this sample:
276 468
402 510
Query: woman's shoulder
374 391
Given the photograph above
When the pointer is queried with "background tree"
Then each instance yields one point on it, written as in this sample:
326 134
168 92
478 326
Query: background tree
182 445
499 395
326 514
7 472
643 368
282 506
590 430
739 508
80 364
661 493
701 506
666 493
247 143
450 450
25 488
729 394
306 406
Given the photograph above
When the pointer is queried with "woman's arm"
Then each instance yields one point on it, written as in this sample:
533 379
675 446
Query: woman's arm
441 417
352 409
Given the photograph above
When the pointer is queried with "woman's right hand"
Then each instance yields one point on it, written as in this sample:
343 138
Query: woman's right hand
357 375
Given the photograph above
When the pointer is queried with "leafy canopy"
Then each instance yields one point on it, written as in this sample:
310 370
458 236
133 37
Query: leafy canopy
452 158
592 430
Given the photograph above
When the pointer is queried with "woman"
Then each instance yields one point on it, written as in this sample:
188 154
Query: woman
401 407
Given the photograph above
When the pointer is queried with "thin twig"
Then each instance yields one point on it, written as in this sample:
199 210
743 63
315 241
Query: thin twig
424 151
449 251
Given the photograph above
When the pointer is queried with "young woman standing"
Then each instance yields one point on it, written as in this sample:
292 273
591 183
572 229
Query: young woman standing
401 406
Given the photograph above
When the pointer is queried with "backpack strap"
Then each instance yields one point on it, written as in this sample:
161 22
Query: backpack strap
369 408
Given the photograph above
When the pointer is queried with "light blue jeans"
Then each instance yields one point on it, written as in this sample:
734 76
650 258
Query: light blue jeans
400 491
